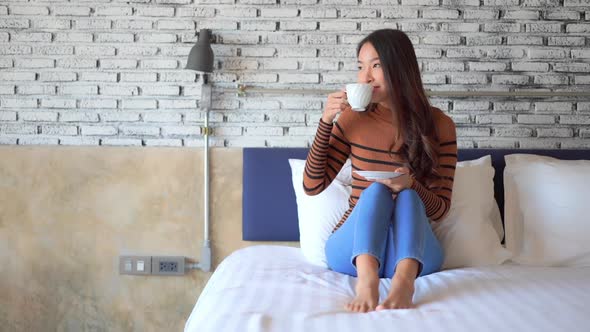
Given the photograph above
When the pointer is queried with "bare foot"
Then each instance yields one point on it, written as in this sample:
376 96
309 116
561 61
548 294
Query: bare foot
367 295
400 295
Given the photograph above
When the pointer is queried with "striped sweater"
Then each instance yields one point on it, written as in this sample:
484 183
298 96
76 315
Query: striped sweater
366 137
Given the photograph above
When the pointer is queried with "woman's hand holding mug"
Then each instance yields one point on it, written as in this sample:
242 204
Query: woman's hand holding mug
335 104
359 95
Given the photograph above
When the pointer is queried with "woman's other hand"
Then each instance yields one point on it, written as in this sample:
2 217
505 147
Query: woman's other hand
335 104
398 183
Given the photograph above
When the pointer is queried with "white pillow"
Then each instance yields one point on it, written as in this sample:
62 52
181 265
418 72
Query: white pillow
547 210
320 213
471 232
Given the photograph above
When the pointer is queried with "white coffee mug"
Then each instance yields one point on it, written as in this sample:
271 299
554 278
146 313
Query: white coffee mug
359 95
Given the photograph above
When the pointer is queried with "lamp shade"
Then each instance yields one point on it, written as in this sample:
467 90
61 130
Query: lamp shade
200 57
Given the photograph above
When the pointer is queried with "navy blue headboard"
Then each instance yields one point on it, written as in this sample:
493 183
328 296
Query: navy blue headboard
269 206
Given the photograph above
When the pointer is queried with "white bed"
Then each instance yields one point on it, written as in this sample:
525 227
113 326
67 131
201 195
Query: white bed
277 288
273 288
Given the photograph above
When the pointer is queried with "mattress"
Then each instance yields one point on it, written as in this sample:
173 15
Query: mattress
273 288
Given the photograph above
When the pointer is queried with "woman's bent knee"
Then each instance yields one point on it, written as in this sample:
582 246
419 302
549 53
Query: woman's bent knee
377 188
408 201
408 194
409 197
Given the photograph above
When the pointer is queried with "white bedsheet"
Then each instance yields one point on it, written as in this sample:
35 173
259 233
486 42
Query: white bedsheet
272 288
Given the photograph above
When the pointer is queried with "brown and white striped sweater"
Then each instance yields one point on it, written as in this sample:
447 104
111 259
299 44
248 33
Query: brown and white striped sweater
366 137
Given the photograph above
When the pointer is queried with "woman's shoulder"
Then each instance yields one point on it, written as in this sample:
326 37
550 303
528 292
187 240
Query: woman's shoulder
445 126
441 119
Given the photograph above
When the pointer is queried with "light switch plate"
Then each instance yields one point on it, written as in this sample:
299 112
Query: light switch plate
128 264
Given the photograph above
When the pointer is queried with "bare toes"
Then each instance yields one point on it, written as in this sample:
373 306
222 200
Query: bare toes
388 305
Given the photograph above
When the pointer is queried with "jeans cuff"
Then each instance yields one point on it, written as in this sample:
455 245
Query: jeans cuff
419 260
366 252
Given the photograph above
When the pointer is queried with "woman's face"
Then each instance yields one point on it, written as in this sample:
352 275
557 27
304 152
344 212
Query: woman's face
370 72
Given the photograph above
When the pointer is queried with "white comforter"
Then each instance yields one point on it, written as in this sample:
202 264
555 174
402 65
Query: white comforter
273 288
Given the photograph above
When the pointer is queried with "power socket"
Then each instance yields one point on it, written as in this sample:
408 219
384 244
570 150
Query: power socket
135 265
168 265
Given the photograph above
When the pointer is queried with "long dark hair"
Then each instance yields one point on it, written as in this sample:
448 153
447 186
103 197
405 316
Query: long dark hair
410 106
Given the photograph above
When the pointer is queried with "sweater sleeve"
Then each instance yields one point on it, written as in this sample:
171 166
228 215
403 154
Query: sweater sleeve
437 195
327 155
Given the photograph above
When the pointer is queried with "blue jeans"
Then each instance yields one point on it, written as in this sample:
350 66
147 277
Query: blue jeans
388 229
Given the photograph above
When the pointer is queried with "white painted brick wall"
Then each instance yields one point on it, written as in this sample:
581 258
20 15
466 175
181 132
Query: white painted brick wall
77 116
535 119
111 72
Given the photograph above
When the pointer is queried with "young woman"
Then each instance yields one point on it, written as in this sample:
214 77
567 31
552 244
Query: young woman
386 232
